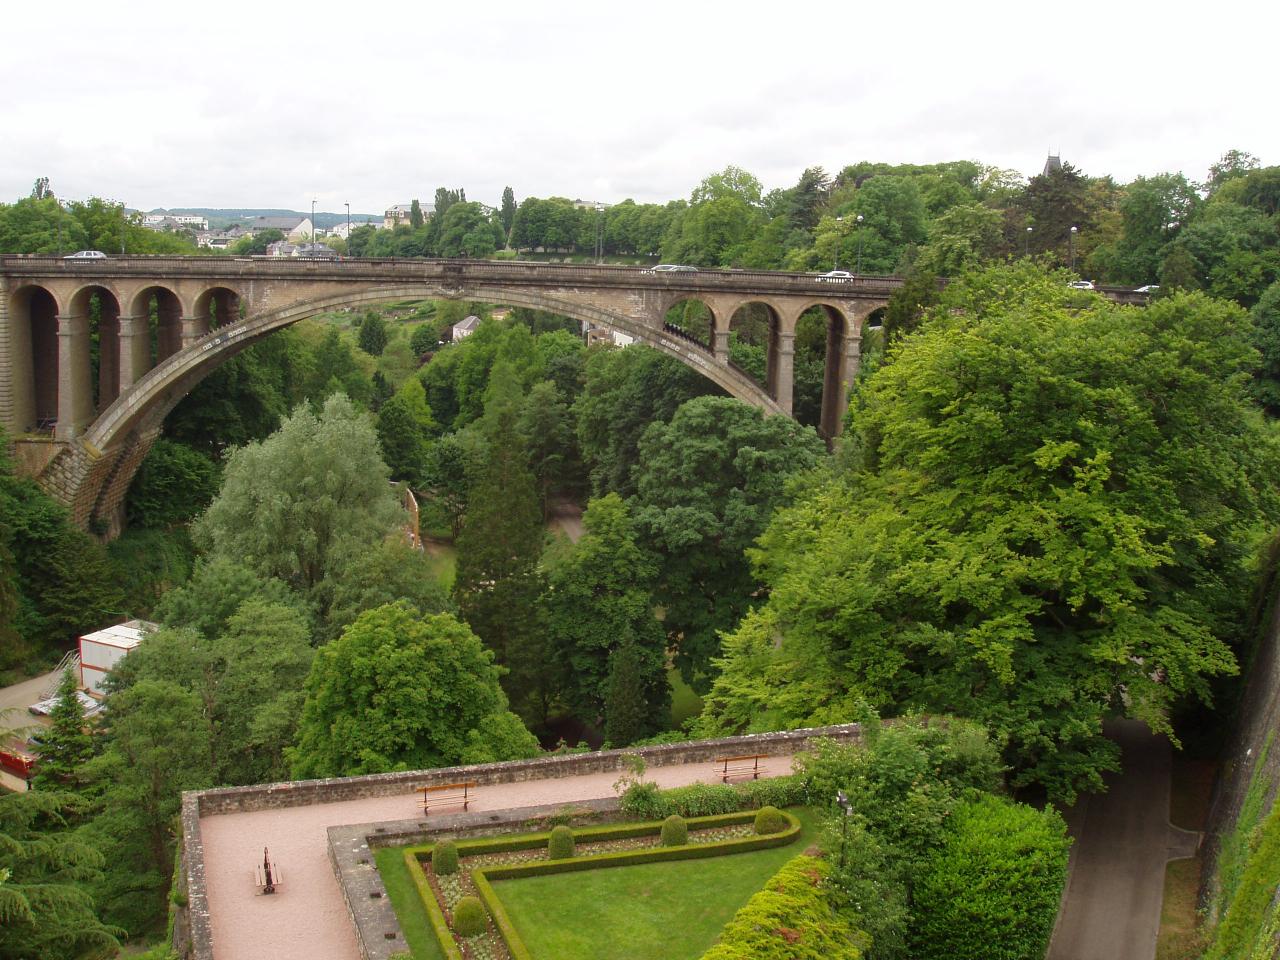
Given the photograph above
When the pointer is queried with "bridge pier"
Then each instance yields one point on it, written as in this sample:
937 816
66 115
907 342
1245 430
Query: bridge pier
75 387
194 329
780 368
135 350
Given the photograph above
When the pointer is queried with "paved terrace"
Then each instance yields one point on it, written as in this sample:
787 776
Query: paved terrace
225 831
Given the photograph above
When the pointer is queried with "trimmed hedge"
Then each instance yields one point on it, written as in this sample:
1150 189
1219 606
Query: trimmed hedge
789 919
560 845
469 918
481 876
439 925
444 858
675 832
648 801
770 820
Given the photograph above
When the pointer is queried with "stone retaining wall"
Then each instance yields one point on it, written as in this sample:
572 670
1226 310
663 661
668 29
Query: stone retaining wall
208 803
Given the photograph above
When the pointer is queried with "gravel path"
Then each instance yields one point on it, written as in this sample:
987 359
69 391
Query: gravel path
306 919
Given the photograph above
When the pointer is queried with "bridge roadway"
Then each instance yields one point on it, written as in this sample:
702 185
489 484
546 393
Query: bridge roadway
208 309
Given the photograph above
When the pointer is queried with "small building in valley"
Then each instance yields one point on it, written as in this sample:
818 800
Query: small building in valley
102 650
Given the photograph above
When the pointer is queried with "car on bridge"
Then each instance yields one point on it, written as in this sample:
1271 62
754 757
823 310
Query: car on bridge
1149 288
671 268
1080 285
86 255
836 276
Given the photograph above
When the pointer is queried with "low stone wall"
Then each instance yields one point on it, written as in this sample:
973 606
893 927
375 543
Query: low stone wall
208 803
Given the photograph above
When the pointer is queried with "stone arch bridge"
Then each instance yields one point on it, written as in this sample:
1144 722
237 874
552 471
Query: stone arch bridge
84 440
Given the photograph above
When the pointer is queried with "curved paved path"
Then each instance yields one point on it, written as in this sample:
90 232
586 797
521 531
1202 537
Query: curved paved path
1111 910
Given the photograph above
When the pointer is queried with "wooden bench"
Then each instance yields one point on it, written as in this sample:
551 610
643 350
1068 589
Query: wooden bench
446 795
266 875
740 766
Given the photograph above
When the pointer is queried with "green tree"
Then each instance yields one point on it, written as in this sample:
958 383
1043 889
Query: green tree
546 428
313 489
1013 533
376 576
706 486
157 745
599 599
1266 338
993 890
497 585
465 232
508 209
373 334
404 429
415 215
173 484
65 747
45 909
255 244
400 691
217 588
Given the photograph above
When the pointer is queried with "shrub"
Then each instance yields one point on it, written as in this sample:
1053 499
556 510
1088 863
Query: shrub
991 892
645 802
444 858
560 844
789 918
770 820
469 918
675 832
703 800
788 791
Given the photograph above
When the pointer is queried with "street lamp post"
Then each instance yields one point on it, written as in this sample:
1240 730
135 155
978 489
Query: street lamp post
599 233
1071 241
122 229
835 259
348 228
1026 242
846 809
313 223
857 271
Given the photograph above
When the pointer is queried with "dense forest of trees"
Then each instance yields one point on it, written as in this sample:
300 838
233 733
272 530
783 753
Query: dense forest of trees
1046 510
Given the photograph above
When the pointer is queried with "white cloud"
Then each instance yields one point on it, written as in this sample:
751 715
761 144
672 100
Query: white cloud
258 104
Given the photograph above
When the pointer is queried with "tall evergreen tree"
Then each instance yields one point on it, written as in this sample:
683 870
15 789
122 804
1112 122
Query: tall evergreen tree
415 215
628 714
65 746
508 210
496 587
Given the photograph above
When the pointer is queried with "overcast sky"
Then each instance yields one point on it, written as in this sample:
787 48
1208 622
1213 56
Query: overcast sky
267 104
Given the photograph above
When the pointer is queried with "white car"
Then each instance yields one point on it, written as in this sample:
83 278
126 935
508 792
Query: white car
671 268
836 276
86 255
1080 285
1149 288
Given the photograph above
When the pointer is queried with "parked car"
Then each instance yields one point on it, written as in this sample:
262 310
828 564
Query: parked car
836 276
1149 288
671 268
1081 285
86 255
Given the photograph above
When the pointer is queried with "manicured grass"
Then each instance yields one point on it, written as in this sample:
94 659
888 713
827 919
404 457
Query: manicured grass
655 911
442 559
404 897
684 702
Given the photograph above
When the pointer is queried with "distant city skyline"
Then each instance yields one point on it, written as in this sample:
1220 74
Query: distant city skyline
254 105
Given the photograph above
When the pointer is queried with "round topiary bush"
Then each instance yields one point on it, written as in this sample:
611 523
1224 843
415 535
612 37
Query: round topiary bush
771 820
469 918
675 832
444 858
560 846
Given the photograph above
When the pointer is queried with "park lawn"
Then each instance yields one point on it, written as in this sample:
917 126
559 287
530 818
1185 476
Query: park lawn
404 898
684 702
653 911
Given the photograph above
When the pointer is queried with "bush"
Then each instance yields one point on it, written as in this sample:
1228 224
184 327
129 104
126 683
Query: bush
770 820
444 858
788 791
992 891
645 801
675 832
469 918
703 800
560 844
789 918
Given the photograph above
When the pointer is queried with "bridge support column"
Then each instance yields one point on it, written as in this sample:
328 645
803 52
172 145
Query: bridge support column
193 328
720 343
844 359
135 350
781 368
75 387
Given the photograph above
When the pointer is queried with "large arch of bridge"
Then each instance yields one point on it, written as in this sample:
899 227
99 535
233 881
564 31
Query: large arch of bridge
33 356
152 397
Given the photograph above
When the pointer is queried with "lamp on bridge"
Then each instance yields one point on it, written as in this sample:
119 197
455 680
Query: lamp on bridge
846 809
858 269
313 223
835 259
1071 240
599 234
1026 242
348 229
